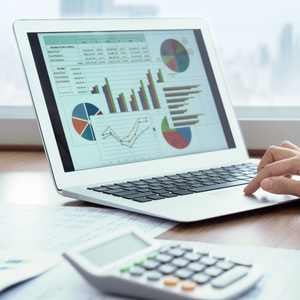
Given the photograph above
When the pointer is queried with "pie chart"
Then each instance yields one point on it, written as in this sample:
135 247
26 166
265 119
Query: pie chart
174 55
178 138
81 120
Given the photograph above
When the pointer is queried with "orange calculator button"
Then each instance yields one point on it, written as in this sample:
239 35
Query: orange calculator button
171 281
188 286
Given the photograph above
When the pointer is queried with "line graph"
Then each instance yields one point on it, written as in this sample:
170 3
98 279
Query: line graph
140 126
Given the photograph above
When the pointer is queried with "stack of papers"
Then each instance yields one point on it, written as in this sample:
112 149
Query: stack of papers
54 230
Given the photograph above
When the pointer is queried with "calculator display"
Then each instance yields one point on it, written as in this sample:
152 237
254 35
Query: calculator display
115 249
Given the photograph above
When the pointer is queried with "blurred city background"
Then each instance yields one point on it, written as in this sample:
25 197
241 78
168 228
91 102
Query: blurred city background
258 41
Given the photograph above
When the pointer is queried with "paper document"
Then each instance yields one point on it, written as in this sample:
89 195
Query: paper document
281 281
31 228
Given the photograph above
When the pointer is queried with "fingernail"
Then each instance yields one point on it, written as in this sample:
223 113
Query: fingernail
246 190
267 184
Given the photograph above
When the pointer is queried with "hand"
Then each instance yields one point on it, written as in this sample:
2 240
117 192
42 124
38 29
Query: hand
275 169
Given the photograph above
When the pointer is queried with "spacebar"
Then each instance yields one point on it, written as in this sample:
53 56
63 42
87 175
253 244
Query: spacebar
217 186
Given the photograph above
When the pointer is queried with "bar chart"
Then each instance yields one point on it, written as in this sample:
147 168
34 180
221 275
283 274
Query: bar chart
145 98
178 99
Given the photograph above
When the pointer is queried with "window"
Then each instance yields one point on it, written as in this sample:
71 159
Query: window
257 41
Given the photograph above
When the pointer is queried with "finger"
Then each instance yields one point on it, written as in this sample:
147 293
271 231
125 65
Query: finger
290 145
281 185
275 153
278 168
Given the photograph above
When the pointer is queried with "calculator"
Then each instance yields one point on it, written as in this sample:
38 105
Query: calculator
130 264
15 269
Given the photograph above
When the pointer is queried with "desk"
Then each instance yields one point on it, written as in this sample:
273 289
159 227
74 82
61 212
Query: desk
25 179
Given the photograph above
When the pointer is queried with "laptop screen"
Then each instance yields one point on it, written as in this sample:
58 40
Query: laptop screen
129 96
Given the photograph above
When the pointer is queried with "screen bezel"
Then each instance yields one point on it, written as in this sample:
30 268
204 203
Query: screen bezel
121 172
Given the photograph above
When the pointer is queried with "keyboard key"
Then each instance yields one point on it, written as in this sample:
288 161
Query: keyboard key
181 192
196 267
163 258
208 261
167 269
187 248
155 197
176 252
136 271
241 261
192 256
188 286
225 265
154 276
167 194
230 277
150 264
98 189
184 273
180 262
213 271
171 281
140 199
200 278
164 249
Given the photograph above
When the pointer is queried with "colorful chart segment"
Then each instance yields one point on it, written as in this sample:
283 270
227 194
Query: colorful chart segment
174 55
81 120
178 138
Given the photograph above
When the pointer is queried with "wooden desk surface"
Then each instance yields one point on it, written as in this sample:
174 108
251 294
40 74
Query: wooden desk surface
25 179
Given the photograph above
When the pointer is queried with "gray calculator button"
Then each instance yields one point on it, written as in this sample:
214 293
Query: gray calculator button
136 271
187 248
177 252
196 267
230 277
202 252
225 265
180 262
200 278
192 256
154 276
167 269
151 264
208 261
164 249
213 271
183 273
163 258
219 256
241 262
173 246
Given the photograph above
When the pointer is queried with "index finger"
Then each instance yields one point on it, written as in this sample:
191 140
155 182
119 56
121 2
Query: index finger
278 168
275 153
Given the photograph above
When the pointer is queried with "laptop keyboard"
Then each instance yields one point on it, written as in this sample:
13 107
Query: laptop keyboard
157 188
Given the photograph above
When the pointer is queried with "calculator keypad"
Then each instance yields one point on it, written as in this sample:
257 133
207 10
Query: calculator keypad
181 266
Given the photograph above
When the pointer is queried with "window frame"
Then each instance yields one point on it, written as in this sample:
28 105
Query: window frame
19 129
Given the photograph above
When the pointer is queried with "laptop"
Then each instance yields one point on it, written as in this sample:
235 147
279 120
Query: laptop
134 114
